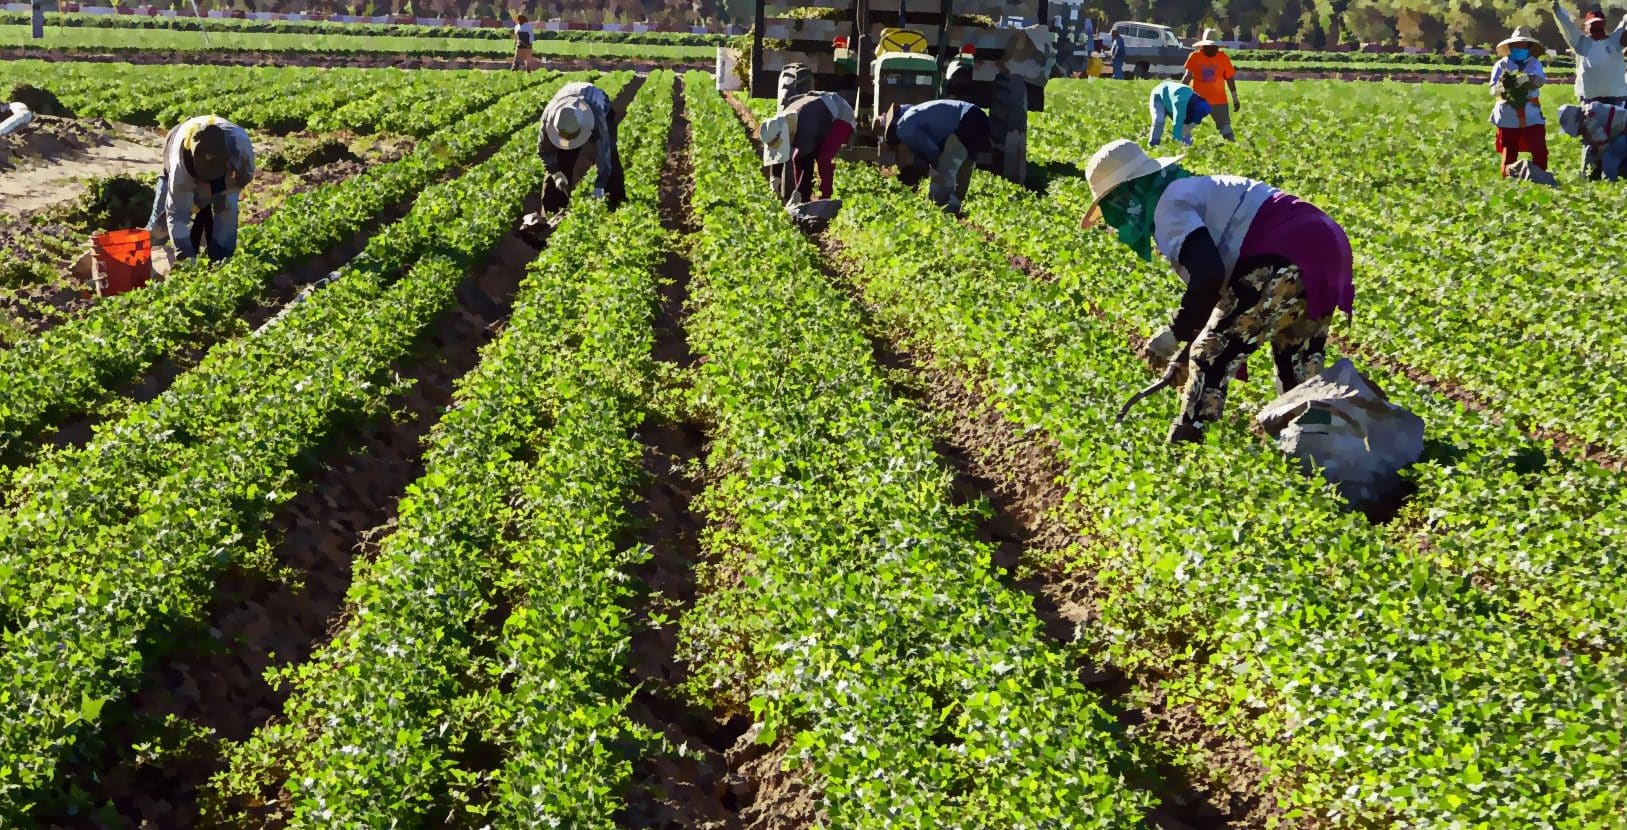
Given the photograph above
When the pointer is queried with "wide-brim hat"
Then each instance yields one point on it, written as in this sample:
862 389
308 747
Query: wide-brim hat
775 135
571 125
209 154
1116 163
1519 36
1208 39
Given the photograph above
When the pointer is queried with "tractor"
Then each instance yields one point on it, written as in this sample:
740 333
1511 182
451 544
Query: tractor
908 53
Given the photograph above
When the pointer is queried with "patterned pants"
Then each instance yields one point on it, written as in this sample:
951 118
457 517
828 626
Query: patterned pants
1265 302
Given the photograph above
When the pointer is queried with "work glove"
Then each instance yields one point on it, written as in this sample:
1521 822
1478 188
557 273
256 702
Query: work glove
1161 349
560 183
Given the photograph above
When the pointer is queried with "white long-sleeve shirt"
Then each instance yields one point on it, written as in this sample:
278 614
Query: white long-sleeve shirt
183 193
1506 116
1223 205
1601 71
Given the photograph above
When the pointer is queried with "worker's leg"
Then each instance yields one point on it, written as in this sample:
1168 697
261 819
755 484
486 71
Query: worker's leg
1249 313
1299 347
835 139
1612 157
946 174
802 172
1016 166
158 223
1535 142
1222 114
223 234
1508 144
1592 162
1156 108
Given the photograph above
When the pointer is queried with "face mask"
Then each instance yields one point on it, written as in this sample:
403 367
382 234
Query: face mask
1519 55
1129 209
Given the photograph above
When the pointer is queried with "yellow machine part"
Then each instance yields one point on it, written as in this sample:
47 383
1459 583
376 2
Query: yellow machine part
901 40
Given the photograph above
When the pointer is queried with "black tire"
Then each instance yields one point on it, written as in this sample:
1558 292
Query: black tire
1143 71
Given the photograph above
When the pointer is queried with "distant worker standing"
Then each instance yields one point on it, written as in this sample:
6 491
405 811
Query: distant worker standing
1179 104
943 135
1117 54
579 116
207 163
814 126
1209 71
1602 129
1601 72
1516 80
1260 267
524 38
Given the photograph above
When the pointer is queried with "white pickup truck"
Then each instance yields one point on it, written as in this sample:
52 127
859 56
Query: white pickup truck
1151 50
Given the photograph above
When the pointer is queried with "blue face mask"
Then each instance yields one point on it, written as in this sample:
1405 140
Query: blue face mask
1519 55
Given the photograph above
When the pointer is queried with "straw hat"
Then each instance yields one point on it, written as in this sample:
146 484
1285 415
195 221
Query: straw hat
571 125
1519 36
1116 163
1208 40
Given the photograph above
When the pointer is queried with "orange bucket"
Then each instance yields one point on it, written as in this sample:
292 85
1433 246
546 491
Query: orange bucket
124 260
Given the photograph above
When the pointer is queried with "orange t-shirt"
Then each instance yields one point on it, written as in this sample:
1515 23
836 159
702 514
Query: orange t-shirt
1209 75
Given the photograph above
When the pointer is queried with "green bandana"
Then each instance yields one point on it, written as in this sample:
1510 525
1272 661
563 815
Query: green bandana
1129 208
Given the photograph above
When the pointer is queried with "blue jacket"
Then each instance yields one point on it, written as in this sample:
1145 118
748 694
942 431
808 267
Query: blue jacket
1182 104
925 127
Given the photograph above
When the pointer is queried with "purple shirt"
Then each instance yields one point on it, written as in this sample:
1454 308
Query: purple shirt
1302 234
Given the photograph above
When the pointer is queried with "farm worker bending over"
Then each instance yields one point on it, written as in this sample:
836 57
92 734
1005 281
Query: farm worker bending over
1515 80
1117 54
1260 267
815 125
944 135
579 116
1601 72
524 58
207 163
1210 73
1181 105
1602 127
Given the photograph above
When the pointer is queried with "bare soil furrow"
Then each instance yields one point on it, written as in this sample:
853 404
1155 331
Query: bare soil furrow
209 682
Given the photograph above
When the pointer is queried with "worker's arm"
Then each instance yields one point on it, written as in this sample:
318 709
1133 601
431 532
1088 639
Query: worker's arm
1231 84
1621 31
546 149
242 159
1567 25
1205 275
1186 77
604 141
178 198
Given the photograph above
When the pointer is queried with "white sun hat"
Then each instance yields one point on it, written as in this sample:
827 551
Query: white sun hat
775 134
570 125
1519 36
1116 163
1208 40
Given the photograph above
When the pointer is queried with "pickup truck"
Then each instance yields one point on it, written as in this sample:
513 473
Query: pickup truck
1151 50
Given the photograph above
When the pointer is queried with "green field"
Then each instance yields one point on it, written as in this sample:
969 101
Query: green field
163 40
690 519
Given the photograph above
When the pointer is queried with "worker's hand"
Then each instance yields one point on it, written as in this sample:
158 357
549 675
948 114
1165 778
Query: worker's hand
1161 349
184 250
560 182
1237 106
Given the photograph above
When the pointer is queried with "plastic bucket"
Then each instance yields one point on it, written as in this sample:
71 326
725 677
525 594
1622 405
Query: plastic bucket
123 260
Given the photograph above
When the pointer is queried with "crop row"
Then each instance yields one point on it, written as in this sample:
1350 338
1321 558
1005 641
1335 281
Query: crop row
69 368
278 100
854 610
333 44
206 463
1473 279
1372 685
1558 563
523 498
294 27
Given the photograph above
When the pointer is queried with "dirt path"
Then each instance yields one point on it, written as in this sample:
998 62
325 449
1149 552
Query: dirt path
45 163
725 781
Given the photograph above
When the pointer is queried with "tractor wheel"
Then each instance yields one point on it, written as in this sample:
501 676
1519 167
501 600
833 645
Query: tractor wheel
1143 71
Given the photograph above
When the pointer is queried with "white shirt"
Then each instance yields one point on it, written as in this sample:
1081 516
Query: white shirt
524 34
1601 72
1225 205
1506 116
839 108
